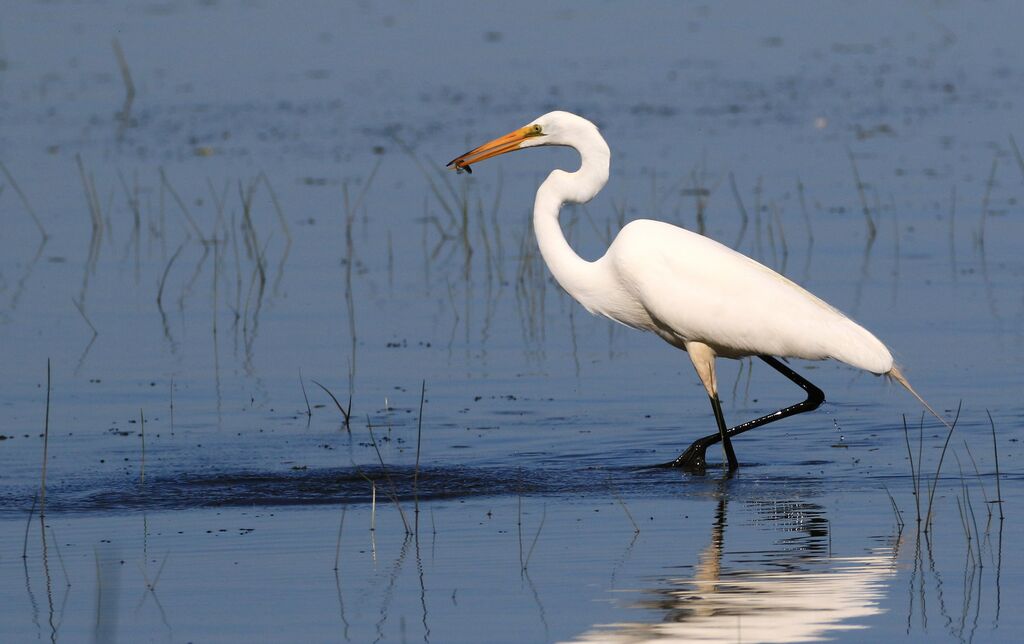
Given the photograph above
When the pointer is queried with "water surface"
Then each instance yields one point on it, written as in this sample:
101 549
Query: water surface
269 210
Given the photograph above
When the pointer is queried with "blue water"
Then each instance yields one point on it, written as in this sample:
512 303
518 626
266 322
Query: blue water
273 207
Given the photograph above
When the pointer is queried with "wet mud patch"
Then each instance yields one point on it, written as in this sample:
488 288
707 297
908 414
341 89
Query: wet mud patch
359 485
352 485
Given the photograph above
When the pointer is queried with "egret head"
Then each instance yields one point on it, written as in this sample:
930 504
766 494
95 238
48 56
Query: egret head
554 128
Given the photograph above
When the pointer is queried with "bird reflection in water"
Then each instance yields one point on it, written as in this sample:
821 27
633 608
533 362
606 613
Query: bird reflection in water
794 592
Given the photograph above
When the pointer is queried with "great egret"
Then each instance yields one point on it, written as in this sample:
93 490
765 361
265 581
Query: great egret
693 292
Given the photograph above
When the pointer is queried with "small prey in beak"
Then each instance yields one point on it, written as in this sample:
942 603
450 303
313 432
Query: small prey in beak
511 141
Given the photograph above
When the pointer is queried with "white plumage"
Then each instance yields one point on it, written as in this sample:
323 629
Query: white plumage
692 288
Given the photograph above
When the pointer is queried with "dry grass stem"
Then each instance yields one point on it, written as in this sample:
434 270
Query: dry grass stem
1017 155
387 475
914 473
309 410
46 445
895 509
24 200
129 88
337 547
543 516
345 413
938 470
419 440
142 433
865 208
28 524
629 515
995 453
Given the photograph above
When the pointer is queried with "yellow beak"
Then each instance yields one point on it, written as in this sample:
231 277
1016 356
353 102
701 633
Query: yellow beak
501 145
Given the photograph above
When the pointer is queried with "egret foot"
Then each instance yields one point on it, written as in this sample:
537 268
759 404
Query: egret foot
694 459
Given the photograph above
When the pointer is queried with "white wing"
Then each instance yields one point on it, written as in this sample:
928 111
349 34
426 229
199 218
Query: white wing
699 290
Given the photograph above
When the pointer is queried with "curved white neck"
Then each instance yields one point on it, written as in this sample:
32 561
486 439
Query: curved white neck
573 273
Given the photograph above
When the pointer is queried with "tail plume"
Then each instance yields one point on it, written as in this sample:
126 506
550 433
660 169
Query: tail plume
898 376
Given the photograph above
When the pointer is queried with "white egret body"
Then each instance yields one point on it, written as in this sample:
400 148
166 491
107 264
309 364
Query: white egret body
693 292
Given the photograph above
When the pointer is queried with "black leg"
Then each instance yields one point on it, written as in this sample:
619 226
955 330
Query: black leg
723 433
694 456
